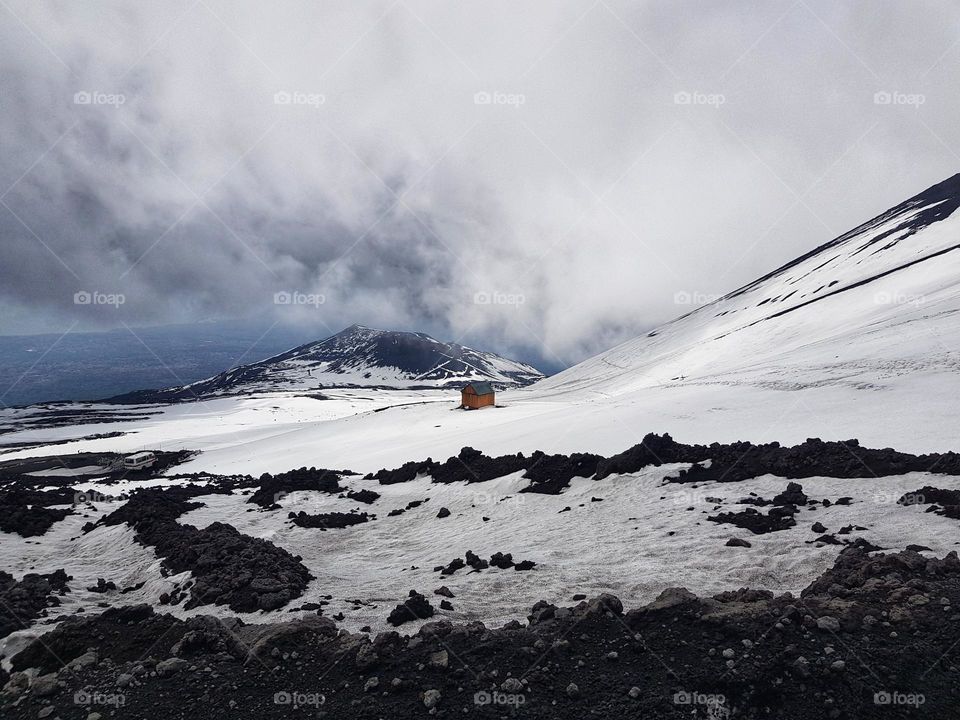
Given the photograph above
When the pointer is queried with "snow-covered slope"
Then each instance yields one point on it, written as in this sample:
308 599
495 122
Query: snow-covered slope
356 357
643 536
860 312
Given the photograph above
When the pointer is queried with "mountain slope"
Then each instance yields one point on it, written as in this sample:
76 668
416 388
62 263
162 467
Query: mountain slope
356 357
877 303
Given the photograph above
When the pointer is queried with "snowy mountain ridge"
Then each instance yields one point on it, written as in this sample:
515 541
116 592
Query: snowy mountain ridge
357 356
866 306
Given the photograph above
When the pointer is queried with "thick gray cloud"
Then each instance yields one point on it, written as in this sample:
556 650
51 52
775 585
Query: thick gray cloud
630 152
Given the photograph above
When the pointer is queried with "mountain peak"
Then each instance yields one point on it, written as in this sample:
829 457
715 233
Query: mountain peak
942 190
358 356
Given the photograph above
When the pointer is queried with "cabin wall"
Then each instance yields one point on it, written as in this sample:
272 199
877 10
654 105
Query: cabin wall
476 401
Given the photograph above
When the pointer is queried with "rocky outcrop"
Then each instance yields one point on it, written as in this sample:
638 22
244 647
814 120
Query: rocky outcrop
228 568
274 488
728 462
330 520
28 599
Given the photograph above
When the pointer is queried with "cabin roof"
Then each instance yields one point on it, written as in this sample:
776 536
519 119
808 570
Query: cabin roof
480 388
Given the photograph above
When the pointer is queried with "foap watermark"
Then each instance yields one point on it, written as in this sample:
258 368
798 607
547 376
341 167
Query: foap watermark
482 498
885 97
88 698
499 298
714 100
297 699
686 297
714 703
495 697
92 496
514 100
890 497
885 697
898 298
885 497
297 97
94 97
294 297
95 297
693 498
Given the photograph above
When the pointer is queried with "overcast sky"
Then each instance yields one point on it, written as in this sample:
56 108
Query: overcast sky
532 177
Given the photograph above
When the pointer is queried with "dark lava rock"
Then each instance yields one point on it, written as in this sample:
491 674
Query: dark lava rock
737 542
549 474
499 560
329 520
476 562
127 633
455 564
446 605
247 574
652 450
468 466
818 527
367 497
274 487
136 636
928 495
730 462
229 568
942 502
102 586
856 568
541 612
23 512
28 599
776 519
793 495
405 473
443 513
415 607
525 565
443 590
847 529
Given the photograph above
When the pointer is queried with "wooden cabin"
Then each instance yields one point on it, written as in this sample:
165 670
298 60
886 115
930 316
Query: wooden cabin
477 395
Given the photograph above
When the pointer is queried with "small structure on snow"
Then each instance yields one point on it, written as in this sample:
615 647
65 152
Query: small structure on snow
477 395
139 461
